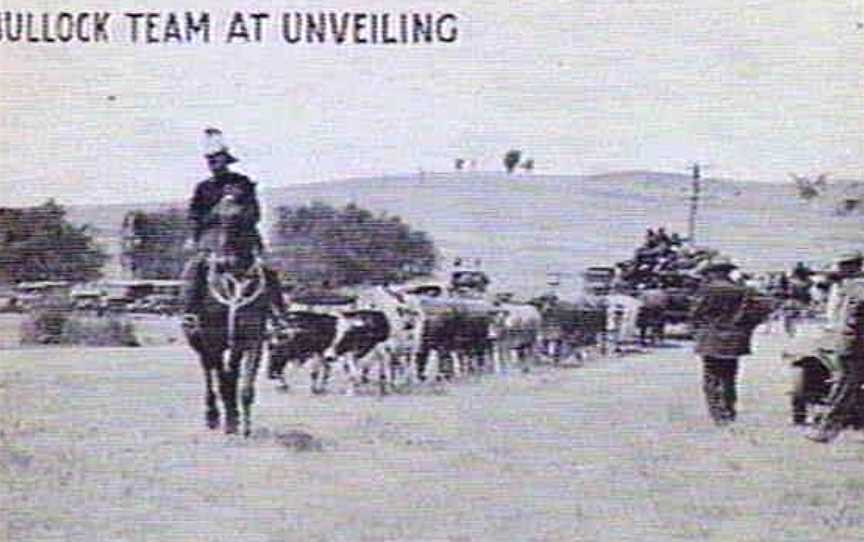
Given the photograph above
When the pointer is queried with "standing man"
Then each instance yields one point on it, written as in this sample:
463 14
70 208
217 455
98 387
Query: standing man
724 317
843 339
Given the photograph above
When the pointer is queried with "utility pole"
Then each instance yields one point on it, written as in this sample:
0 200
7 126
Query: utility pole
694 203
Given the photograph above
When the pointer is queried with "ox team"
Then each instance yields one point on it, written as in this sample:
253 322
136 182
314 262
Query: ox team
724 315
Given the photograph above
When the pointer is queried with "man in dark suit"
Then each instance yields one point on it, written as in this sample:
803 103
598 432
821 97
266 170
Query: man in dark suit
724 317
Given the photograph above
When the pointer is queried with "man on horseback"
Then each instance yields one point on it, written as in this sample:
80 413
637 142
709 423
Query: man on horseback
225 186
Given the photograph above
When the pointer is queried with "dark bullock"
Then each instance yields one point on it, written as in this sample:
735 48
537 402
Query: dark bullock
305 336
456 329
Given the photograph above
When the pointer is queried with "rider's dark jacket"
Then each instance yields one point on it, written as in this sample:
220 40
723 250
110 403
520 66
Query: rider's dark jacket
724 317
208 194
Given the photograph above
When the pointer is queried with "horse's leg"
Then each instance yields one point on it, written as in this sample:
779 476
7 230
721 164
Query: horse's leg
228 376
209 362
251 361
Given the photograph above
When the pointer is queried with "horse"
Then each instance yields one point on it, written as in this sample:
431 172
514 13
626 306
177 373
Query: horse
233 315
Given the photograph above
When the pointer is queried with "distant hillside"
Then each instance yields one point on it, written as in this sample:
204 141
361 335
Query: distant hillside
525 226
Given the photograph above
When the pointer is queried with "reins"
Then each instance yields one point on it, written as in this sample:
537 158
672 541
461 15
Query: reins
229 291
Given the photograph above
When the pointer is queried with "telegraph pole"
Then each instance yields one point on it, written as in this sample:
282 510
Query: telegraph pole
694 203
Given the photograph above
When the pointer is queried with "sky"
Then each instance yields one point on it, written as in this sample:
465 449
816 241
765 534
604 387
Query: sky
754 89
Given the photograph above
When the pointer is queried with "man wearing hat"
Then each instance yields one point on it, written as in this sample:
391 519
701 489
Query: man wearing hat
843 339
223 184
724 317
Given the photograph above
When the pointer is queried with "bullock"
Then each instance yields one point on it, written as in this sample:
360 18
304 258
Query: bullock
361 338
567 328
304 336
514 331
456 330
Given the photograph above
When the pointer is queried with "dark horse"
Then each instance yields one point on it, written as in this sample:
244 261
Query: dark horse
232 321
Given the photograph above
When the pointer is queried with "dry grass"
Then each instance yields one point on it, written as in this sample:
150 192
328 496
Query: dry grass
618 450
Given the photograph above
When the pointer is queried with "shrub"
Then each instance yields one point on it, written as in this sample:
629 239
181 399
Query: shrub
59 327
38 243
43 327
318 243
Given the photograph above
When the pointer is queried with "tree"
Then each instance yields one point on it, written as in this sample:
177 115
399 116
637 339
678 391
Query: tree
318 243
511 160
153 243
38 243
808 189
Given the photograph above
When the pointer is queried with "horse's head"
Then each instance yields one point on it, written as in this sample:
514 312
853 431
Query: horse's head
229 240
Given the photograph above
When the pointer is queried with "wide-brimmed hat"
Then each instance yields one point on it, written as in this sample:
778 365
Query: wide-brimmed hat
718 263
214 145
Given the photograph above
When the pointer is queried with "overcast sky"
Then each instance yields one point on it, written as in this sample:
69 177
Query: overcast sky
754 88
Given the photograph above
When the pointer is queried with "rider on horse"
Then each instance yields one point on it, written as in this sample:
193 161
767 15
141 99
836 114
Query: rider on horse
224 185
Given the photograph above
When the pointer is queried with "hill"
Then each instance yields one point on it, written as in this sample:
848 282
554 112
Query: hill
523 227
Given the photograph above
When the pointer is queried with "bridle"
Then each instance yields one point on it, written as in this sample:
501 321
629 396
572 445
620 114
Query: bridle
231 292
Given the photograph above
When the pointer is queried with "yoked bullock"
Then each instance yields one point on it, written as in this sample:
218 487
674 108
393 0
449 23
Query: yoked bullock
380 335
398 332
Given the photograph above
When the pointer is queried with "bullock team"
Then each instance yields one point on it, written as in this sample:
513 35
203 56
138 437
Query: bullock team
400 335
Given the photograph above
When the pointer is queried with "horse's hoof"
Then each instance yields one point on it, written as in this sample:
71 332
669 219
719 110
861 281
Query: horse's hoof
231 428
213 420
282 388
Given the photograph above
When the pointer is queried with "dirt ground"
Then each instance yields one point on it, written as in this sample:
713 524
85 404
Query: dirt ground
110 444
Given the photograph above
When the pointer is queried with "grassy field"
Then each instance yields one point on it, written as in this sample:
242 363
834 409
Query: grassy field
109 444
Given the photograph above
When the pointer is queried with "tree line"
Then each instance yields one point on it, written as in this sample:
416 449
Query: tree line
312 244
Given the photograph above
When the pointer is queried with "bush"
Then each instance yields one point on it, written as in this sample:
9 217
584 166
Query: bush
43 327
38 243
318 244
154 243
60 327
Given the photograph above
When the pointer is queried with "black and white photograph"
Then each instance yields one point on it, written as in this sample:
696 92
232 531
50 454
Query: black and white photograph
433 271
